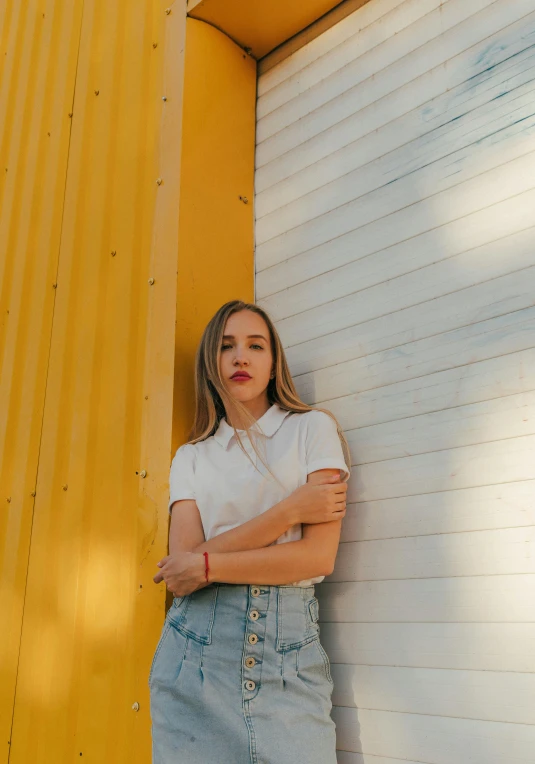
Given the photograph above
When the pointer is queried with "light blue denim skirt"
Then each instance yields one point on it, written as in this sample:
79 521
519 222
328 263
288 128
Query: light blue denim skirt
239 676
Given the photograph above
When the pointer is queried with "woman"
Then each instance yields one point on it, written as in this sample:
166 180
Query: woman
257 495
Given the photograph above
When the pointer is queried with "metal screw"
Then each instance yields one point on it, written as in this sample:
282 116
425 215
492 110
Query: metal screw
9 499
114 253
70 114
151 281
97 92
65 487
168 11
164 98
244 199
32 493
55 286
142 474
154 44
159 181
146 397
135 707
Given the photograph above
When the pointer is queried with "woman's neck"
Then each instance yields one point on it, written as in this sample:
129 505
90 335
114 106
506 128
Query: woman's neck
256 408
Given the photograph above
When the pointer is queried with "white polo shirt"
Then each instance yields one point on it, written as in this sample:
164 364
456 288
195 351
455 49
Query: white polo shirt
229 490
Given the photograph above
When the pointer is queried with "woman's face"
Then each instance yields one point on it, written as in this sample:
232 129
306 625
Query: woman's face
246 348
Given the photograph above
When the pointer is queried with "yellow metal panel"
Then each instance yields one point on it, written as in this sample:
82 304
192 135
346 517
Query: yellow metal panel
38 52
81 208
216 238
258 25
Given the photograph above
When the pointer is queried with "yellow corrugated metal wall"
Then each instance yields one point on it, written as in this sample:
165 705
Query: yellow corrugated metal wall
216 237
86 367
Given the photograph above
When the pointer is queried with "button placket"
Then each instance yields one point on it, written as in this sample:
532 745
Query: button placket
254 642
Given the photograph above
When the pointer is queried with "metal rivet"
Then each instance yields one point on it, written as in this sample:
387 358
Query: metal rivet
142 474
135 707
65 487
244 199
164 98
159 181
151 281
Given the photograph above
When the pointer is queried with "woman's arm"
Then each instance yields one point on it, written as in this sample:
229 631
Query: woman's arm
186 531
279 564
314 555
305 504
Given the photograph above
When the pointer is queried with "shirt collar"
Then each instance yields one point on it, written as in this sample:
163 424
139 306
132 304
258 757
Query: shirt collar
269 422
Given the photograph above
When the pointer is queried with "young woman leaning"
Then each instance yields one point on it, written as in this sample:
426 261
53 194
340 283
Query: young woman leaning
257 496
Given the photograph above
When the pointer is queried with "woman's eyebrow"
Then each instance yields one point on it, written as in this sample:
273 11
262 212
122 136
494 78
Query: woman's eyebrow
249 336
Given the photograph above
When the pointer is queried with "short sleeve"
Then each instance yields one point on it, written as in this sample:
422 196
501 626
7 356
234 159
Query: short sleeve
181 476
323 446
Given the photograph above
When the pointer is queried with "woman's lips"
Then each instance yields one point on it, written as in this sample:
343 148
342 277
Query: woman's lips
240 378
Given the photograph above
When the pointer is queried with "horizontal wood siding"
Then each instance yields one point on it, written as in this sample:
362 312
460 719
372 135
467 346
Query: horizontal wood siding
395 250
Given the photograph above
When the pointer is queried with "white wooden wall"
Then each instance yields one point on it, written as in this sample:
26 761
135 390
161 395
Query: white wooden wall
395 248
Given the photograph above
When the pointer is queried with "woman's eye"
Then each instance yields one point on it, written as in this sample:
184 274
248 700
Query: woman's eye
224 347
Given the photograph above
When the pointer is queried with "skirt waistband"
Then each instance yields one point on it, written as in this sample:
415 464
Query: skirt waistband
311 587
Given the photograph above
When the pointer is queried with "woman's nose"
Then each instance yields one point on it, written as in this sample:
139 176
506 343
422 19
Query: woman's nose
240 356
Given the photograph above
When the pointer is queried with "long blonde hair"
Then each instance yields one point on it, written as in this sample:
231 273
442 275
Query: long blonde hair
211 397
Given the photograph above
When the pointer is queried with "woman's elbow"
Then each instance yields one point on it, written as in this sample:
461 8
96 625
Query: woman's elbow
328 566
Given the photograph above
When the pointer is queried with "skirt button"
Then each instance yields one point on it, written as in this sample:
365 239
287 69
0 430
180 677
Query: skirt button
249 685
253 639
250 662
255 615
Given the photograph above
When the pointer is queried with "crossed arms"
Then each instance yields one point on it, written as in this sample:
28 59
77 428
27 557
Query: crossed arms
244 555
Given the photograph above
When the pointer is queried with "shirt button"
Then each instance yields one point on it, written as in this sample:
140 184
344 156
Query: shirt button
250 662
253 639
249 684
255 591
255 615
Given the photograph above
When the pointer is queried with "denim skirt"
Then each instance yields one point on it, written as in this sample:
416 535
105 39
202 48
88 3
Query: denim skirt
239 676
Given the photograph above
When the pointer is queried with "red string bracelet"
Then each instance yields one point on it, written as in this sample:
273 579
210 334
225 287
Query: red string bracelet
206 565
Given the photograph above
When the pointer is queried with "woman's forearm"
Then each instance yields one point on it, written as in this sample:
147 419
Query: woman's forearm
260 531
274 565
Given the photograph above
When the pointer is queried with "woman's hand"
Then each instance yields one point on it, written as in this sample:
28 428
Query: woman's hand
318 503
183 572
